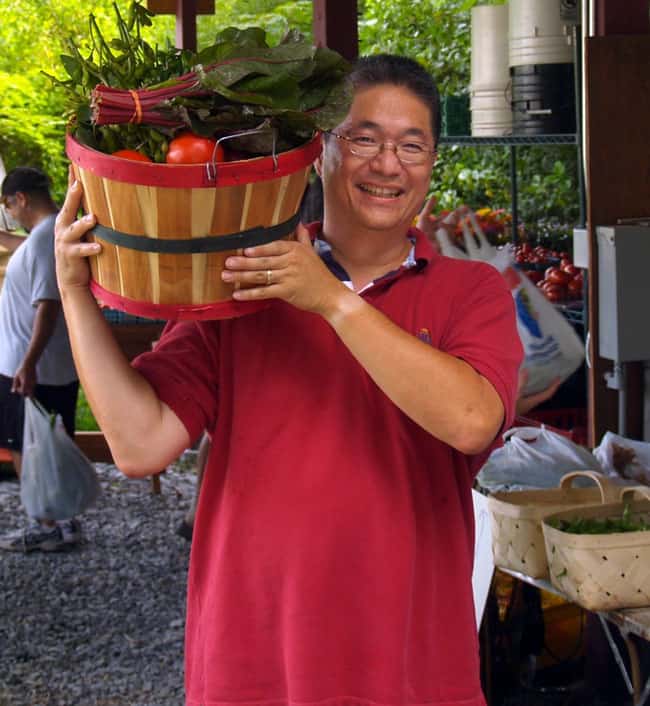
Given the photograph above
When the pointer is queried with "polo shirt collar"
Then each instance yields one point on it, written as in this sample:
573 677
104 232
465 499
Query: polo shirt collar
420 254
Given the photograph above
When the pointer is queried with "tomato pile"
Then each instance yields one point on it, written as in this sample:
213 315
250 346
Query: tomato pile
552 271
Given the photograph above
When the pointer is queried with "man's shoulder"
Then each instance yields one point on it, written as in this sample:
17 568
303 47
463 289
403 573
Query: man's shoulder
45 227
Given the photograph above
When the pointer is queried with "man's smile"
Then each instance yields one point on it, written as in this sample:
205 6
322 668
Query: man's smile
381 191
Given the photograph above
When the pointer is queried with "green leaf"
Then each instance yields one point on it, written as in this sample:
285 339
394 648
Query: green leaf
72 67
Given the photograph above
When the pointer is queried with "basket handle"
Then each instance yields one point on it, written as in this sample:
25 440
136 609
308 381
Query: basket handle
608 491
632 490
211 166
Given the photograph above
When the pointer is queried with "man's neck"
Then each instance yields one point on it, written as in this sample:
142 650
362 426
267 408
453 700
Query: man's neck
39 214
367 255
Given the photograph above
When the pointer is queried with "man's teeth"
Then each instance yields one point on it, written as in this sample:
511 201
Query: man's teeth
378 191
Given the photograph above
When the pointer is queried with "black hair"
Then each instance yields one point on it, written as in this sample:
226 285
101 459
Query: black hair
27 180
400 71
311 206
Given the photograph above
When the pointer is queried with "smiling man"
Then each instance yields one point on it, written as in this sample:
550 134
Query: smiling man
333 541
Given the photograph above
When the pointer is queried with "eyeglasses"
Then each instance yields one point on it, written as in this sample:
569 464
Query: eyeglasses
4 201
365 146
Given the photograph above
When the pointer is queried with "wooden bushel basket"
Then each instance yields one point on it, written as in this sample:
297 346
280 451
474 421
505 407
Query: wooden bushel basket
516 519
166 230
602 571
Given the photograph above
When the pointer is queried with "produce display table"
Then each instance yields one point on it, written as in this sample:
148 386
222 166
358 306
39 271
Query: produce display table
632 621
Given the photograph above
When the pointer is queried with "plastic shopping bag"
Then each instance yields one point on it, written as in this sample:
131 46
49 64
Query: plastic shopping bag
57 481
552 349
533 457
626 458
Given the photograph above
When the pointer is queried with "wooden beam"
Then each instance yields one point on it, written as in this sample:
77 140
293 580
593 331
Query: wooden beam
335 26
94 445
618 183
168 7
617 17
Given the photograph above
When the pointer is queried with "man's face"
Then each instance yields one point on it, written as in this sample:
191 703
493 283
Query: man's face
381 192
14 207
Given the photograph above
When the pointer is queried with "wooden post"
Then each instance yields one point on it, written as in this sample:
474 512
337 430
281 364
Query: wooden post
616 17
186 24
618 184
186 12
335 26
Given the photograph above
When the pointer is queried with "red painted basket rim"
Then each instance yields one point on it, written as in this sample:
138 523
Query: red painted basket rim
192 175
225 309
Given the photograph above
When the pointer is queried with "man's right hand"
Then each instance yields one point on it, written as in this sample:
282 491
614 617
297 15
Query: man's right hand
429 223
72 268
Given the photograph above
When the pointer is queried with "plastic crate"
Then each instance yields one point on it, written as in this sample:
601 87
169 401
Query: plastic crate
116 317
569 422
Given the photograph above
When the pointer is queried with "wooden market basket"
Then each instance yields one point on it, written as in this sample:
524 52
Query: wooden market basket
516 519
602 571
166 230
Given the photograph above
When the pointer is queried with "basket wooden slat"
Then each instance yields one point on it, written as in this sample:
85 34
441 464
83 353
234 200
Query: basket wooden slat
601 571
516 519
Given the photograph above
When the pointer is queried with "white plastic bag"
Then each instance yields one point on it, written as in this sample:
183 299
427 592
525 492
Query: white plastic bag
624 457
57 481
552 348
533 457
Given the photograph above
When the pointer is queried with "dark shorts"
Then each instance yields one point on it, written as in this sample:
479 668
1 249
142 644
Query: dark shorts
61 399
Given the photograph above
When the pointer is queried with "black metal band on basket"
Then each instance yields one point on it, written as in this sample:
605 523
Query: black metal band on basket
189 246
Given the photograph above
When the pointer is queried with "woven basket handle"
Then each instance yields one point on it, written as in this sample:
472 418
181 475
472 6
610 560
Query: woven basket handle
609 493
642 490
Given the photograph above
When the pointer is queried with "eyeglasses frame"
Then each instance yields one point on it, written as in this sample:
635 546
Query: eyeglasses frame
380 148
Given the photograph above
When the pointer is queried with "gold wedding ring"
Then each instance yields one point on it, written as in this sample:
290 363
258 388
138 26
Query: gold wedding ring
268 277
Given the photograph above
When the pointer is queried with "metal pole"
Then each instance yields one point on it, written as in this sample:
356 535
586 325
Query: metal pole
513 194
621 374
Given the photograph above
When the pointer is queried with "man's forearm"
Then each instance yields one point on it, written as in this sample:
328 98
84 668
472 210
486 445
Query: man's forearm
143 434
47 312
440 392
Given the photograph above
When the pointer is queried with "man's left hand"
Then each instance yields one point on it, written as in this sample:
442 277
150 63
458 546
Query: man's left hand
24 380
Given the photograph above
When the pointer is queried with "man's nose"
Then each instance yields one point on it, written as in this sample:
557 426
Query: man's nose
387 158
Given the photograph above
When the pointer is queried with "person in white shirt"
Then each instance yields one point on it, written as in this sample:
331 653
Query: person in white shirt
35 356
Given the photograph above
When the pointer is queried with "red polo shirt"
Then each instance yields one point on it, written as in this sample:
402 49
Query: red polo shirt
333 543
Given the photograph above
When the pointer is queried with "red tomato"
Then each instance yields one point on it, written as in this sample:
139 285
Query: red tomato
555 292
132 154
570 269
525 247
557 276
189 148
574 289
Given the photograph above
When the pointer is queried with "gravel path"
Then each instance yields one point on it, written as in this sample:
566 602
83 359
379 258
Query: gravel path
101 624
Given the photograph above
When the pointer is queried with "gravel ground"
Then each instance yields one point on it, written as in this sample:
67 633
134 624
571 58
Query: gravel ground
100 624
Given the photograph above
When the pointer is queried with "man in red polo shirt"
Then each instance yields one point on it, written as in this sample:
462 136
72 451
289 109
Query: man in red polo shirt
333 541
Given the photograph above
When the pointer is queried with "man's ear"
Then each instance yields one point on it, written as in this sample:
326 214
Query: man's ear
21 198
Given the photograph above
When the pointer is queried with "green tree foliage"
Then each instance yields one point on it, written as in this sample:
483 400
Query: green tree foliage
436 32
